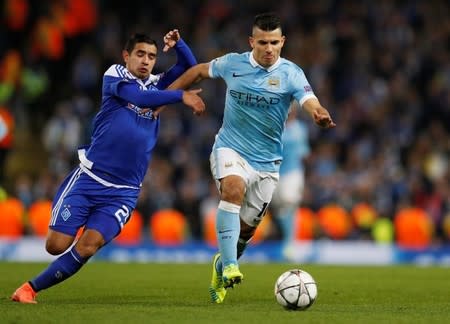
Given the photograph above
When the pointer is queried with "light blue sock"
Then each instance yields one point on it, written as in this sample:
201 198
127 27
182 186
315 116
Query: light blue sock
286 219
241 246
228 227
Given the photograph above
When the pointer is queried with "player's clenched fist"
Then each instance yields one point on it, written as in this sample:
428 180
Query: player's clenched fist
170 39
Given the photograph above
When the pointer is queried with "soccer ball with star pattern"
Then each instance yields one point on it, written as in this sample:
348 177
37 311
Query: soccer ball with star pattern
295 289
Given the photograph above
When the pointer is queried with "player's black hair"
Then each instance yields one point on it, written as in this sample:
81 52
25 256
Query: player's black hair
138 38
267 21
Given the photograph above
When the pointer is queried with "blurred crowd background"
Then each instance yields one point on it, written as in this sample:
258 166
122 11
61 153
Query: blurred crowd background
382 68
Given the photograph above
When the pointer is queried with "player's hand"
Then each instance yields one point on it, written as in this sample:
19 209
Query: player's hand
322 118
170 39
157 111
193 100
143 111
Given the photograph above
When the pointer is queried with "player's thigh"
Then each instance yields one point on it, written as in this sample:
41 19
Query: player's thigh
110 217
257 198
69 214
226 162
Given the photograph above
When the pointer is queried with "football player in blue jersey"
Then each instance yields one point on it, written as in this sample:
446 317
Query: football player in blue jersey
102 191
246 155
288 193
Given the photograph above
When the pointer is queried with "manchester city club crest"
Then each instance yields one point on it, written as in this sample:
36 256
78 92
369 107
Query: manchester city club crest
274 82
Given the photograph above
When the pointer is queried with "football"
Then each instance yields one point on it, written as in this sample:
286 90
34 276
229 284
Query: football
295 289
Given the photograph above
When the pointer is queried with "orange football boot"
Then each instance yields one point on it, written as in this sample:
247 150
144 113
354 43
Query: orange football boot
25 294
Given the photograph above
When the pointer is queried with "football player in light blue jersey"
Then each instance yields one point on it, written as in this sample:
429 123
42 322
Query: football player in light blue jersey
288 193
247 152
102 192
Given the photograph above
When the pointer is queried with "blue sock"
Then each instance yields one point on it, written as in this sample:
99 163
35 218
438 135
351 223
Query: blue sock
227 228
59 270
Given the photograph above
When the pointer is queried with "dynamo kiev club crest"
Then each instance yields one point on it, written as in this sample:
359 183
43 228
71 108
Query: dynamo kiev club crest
65 214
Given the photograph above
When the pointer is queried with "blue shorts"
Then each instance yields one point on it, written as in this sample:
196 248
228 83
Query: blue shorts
82 201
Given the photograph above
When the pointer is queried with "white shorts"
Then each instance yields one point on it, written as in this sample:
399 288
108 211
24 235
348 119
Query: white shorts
290 189
259 185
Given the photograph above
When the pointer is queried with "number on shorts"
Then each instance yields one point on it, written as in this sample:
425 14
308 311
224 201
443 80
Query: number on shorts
261 213
122 214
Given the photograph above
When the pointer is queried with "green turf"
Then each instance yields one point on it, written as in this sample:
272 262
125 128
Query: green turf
177 293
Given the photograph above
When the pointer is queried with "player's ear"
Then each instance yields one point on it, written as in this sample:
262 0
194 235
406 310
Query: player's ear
125 56
251 41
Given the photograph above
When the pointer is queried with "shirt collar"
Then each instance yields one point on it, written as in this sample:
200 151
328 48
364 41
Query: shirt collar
151 80
269 69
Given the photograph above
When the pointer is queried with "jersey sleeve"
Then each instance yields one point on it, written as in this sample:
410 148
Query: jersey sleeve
118 82
147 98
119 71
115 75
219 65
185 59
302 90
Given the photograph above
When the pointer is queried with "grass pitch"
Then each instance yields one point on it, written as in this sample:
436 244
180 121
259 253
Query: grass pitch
178 293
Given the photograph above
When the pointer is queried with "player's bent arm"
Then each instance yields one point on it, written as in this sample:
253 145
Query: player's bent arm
155 98
184 54
194 74
141 98
318 113
185 60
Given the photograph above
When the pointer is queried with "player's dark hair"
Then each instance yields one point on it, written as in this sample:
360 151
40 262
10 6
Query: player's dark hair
138 38
267 21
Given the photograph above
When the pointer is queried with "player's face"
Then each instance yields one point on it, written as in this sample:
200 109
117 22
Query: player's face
266 46
141 60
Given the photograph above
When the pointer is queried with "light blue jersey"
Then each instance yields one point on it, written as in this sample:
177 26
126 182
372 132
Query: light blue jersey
256 106
295 146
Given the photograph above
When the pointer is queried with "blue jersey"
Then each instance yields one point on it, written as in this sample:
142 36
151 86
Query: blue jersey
124 135
256 106
295 146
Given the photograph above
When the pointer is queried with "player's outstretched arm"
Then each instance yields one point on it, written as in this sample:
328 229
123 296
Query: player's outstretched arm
319 114
194 74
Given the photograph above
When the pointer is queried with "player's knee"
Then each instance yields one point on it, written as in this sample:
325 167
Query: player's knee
55 248
232 189
233 194
89 243
87 250
57 242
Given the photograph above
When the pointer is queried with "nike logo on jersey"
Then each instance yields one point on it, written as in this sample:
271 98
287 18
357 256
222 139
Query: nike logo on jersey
235 75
